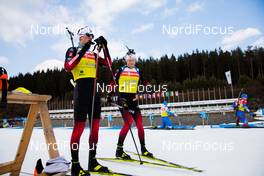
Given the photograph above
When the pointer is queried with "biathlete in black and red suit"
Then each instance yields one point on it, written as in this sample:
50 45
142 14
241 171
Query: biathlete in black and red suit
82 64
128 78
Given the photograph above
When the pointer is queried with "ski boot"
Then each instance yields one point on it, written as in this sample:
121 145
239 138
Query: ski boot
120 154
94 166
145 152
38 168
237 122
77 170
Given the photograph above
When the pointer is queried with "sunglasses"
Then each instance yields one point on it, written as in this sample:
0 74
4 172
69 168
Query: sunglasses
90 35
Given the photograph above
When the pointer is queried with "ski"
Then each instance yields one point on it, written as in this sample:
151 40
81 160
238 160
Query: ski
168 163
111 173
150 163
136 161
176 127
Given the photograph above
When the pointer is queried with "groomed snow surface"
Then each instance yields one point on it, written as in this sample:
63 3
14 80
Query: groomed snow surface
216 151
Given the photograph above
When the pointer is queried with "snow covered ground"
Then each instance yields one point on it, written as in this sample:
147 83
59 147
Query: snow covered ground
216 151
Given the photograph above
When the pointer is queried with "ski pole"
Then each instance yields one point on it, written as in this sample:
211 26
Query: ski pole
141 162
113 77
94 93
114 104
71 35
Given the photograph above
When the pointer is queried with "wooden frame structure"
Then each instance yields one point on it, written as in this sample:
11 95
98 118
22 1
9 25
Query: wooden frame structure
38 106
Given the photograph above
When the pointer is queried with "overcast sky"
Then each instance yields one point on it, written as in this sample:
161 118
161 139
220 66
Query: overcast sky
32 32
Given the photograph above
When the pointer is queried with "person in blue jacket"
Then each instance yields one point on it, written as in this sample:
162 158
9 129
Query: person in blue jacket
241 109
165 113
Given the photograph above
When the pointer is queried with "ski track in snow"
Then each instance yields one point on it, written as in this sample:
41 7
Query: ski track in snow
243 155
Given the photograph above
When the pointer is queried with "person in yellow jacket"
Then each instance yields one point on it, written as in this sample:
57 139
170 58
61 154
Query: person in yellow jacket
128 78
165 113
81 62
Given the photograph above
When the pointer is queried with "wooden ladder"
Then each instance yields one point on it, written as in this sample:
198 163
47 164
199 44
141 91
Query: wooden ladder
38 106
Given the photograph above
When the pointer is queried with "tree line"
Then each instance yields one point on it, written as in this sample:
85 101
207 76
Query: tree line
199 69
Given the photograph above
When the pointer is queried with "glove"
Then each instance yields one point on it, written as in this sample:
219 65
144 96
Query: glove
171 113
109 100
101 41
251 114
124 102
136 98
